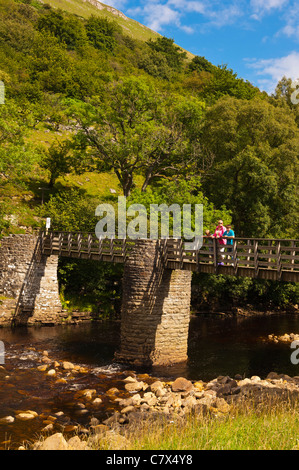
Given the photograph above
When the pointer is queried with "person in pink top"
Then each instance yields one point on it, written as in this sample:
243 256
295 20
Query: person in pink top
220 229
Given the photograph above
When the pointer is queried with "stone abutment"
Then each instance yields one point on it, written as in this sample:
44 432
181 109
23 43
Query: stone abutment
28 282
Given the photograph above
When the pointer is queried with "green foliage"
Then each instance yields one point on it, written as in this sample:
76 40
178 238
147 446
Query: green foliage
223 292
4 224
101 33
134 130
253 150
16 156
57 160
181 191
70 211
67 29
174 55
91 286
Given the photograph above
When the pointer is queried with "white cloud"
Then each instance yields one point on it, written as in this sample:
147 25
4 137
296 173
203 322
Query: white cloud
291 17
262 7
272 70
158 13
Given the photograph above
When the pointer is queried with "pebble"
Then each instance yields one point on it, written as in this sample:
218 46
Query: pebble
7 420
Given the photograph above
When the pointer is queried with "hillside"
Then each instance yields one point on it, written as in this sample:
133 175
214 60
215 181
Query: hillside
93 7
98 106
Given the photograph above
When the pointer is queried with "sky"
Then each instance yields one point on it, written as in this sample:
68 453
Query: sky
258 39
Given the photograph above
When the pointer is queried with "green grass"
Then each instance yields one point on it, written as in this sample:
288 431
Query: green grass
86 9
243 428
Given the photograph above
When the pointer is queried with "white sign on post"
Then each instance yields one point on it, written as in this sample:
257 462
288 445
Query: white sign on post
48 223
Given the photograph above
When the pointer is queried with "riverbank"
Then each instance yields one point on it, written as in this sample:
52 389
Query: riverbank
143 407
221 414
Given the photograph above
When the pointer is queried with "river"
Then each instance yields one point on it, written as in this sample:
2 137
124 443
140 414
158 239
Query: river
218 345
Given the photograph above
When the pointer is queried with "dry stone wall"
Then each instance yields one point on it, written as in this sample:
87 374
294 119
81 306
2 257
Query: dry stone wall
28 282
155 308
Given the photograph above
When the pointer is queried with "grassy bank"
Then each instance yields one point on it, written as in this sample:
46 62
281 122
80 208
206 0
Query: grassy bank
244 428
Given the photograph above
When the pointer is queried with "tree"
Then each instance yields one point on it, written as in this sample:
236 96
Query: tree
254 172
134 131
101 32
16 155
174 55
57 159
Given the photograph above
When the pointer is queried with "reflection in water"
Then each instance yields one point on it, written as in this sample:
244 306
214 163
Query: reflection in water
217 346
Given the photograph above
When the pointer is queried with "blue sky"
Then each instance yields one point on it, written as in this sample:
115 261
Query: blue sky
258 39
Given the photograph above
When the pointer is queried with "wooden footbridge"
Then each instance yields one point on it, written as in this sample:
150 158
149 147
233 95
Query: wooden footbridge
264 258
156 288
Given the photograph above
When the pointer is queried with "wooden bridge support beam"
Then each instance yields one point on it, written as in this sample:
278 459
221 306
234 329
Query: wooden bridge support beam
155 308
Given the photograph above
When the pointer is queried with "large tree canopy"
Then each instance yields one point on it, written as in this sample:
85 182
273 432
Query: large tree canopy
134 130
253 148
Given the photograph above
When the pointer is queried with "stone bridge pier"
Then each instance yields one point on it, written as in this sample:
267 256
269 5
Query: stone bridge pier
155 308
28 282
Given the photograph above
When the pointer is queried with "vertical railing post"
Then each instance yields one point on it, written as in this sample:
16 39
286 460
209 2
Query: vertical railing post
60 242
42 241
249 251
51 242
69 242
100 247
292 253
89 243
278 260
79 241
181 254
112 249
124 249
235 254
256 258
215 257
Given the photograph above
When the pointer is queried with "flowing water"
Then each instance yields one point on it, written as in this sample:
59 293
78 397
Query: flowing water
218 345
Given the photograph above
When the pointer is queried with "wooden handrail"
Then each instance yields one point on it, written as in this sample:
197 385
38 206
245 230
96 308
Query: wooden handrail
254 255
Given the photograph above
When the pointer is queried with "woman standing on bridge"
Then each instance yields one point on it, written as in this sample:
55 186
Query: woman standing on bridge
220 229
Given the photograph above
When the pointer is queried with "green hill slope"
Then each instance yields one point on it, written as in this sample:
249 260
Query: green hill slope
93 7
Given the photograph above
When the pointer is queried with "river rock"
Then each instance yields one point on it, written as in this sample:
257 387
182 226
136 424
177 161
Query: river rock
181 385
51 373
127 409
130 379
135 386
221 405
97 401
67 365
75 443
157 385
54 442
26 415
7 420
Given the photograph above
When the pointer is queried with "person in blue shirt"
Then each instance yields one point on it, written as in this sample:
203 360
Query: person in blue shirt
229 241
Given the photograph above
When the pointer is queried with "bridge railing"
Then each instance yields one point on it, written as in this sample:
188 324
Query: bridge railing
85 245
245 256
254 254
